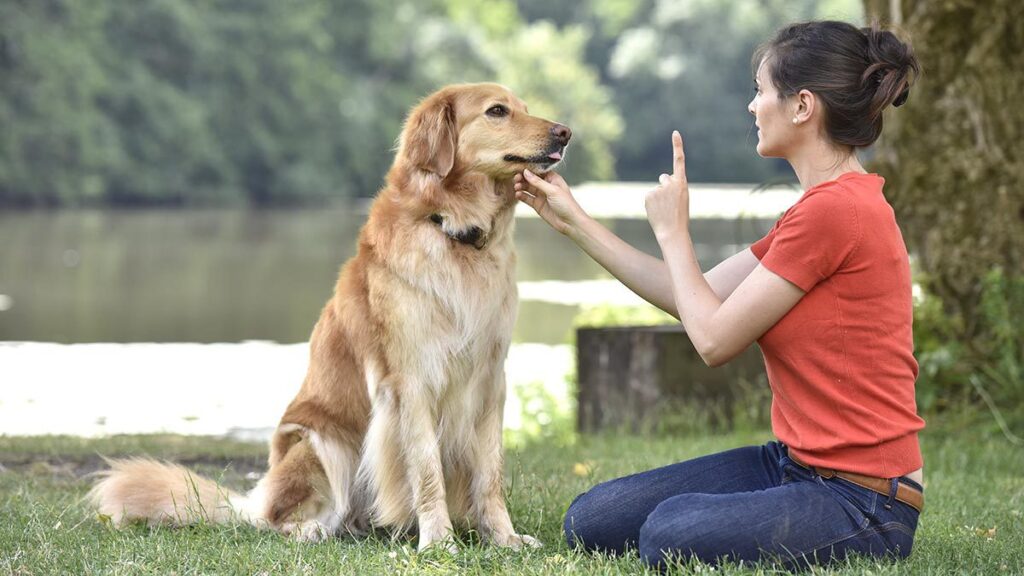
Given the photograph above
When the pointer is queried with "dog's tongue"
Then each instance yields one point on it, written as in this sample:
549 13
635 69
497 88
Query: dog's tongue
555 155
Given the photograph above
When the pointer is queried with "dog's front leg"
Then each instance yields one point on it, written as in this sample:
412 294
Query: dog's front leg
488 500
425 475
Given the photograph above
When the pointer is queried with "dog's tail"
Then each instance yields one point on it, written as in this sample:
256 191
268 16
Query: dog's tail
142 489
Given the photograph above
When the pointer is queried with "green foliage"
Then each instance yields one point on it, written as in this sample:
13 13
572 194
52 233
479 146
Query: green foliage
544 65
941 381
951 157
617 315
1002 308
685 65
265 102
988 369
49 150
546 415
278 103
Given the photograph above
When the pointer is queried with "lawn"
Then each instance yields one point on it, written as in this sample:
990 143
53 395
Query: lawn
974 522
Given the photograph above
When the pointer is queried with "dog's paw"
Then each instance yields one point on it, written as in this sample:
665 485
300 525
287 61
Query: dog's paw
518 541
312 531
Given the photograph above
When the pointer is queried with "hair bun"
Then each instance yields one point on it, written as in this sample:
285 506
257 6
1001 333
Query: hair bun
891 68
902 98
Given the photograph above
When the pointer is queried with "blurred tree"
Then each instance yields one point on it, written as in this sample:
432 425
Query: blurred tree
54 145
152 55
271 89
954 161
544 65
300 101
685 65
262 101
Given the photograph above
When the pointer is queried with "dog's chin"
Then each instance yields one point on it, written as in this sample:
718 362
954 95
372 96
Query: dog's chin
542 167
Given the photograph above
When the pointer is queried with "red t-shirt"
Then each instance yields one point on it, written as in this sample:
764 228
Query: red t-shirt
840 363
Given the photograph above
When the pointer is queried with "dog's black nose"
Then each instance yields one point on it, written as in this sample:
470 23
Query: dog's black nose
561 133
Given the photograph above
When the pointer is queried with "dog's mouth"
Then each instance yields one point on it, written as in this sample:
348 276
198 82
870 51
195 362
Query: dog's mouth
544 160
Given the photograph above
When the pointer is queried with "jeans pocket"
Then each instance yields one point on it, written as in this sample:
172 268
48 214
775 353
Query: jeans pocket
899 539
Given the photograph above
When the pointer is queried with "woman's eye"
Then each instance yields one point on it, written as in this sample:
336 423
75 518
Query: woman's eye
497 111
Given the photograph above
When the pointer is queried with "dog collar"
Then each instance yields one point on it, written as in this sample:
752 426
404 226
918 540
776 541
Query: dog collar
474 236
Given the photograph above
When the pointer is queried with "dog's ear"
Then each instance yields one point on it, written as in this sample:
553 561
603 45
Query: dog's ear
430 134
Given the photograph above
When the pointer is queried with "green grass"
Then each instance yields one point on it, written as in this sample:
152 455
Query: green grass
974 522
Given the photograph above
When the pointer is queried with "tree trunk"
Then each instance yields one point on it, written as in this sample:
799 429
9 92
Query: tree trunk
639 378
953 160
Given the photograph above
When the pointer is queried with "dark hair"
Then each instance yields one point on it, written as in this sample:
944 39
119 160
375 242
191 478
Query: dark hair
855 72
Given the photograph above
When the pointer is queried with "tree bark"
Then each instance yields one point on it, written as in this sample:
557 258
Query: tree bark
639 378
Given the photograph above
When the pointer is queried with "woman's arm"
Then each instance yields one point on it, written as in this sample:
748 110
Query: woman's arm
719 329
731 272
642 273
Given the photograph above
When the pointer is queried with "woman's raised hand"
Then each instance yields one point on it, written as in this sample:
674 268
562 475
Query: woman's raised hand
551 198
668 205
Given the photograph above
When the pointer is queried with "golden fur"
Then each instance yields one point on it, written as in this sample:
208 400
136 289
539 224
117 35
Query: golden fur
398 422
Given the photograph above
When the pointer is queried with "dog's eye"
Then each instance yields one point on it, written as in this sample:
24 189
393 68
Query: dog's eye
497 111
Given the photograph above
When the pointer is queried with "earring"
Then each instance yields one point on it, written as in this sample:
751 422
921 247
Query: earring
796 120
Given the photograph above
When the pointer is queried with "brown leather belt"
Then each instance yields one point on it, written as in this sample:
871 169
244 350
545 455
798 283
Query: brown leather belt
904 493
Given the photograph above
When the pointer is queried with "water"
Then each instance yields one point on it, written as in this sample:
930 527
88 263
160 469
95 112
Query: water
236 275
185 278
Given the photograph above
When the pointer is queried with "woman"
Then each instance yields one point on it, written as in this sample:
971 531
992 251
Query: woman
827 296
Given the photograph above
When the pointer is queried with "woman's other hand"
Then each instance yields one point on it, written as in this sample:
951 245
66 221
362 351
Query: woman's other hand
551 198
668 205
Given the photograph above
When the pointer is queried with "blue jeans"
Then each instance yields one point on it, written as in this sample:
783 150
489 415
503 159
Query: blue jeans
747 504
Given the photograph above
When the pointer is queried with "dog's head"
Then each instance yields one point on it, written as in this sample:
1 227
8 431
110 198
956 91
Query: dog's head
480 128
457 155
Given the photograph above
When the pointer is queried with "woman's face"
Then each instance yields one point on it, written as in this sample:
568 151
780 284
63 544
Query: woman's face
774 122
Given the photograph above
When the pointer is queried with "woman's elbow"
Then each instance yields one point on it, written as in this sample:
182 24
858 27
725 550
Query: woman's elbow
715 355
712 361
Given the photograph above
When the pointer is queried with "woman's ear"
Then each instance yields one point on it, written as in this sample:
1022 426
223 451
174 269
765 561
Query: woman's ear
806 106
430 134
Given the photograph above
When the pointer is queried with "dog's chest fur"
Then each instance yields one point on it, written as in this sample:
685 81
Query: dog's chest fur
448 309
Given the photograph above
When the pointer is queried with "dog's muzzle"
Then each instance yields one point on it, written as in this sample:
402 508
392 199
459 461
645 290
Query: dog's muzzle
473 236
555 152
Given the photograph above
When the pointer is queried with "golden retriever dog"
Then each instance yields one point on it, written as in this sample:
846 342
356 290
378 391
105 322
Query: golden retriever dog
398 423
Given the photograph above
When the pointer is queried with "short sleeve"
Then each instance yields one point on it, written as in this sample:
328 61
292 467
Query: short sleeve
760 248
813 239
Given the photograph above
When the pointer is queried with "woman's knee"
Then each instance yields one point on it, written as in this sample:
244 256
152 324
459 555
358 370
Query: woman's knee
659 539
581 523
569 522
677 529
591 522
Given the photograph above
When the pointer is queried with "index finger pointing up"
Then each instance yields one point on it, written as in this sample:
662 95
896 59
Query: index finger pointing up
678 158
